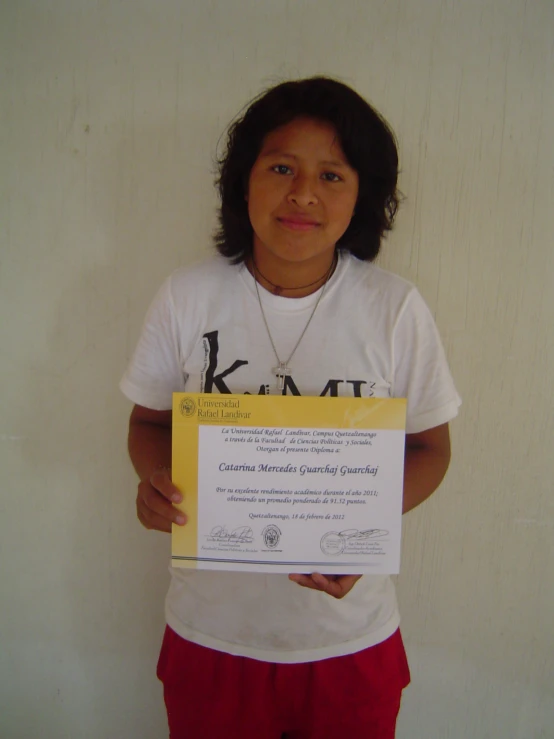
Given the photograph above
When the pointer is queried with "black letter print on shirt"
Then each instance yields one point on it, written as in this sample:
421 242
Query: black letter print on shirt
332 388
211 378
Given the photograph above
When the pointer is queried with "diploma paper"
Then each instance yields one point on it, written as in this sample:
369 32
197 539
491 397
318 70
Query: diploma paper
288 484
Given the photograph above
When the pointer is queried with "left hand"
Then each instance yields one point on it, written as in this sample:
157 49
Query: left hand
335 585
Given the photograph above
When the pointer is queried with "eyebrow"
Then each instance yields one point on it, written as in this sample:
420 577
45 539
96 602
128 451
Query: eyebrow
327 162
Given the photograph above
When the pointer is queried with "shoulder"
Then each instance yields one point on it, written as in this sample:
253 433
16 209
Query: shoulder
378 284
193 285
209 271
201 280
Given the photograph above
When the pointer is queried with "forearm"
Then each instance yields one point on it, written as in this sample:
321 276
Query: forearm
426 461
149 448
150 451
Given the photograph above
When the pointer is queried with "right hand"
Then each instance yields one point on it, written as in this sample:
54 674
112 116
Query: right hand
154 502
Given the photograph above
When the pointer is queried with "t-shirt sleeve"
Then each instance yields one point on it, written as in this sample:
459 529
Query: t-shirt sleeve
421 372
155 371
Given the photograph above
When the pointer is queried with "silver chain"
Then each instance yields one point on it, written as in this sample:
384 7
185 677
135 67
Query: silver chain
285 364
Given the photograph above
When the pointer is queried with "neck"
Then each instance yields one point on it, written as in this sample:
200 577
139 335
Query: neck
291 282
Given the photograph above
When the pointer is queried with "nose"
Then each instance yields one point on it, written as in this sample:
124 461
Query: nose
302 192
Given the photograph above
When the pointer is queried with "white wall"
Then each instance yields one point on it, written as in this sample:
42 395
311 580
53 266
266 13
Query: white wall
111 117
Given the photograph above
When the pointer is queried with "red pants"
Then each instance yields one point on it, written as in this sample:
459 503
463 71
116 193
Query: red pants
210 694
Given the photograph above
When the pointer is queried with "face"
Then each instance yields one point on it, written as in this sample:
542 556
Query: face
301 195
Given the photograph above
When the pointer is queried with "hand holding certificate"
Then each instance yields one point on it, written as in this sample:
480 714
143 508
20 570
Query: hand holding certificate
288 484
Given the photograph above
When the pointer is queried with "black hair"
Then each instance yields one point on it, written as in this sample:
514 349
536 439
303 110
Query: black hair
365 138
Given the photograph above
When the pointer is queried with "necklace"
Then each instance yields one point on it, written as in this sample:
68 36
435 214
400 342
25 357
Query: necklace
283 370
279 288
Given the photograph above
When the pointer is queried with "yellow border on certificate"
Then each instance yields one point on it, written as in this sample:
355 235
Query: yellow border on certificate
191 410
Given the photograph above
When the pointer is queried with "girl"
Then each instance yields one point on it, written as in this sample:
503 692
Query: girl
292 304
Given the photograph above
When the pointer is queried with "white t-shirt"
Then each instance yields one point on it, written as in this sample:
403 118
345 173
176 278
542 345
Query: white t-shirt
371 336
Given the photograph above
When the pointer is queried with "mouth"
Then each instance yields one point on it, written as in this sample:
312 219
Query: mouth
297 223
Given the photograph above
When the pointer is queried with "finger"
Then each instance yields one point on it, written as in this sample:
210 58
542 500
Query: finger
333 585
161 481
307 581
152 521
152 500
342 585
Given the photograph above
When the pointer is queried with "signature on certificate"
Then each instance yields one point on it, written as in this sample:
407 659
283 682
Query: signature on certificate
335 542
240 534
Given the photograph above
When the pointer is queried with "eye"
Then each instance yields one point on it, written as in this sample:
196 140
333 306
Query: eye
331 177
281 169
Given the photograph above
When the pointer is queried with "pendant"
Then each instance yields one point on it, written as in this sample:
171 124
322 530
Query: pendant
281 372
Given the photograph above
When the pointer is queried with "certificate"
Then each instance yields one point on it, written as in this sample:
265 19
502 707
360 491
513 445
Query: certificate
288 484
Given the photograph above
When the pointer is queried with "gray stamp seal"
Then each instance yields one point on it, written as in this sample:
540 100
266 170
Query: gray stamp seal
271 536
332 543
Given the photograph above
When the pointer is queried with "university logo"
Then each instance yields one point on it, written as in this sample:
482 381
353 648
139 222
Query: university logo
271 535
187 407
